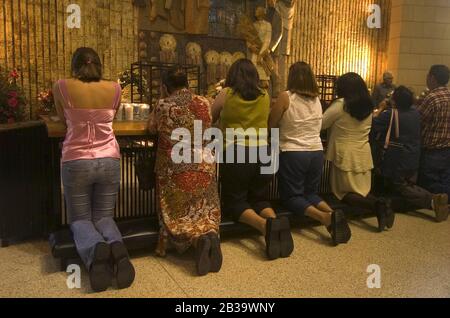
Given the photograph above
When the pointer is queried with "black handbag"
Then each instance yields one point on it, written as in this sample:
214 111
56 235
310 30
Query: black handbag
145 167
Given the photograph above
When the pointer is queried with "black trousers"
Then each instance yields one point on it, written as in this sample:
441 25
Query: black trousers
244 187
435 171
408 195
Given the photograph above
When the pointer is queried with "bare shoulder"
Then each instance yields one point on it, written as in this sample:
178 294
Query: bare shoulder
283 100
108 83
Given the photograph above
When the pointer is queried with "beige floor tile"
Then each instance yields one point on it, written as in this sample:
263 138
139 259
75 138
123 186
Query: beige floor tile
414 258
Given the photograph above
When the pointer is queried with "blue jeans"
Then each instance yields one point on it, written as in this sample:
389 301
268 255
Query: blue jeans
435 171
299 179
91 188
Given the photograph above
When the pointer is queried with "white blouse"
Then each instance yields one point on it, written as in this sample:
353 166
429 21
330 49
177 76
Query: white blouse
301 124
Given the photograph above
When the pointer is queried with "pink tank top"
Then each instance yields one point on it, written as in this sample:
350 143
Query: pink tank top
90 132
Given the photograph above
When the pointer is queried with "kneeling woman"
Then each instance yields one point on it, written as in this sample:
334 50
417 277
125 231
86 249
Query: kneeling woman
187 192
298 115
91 169
244 106
349 119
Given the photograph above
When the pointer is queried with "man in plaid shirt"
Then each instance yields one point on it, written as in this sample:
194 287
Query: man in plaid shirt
435 113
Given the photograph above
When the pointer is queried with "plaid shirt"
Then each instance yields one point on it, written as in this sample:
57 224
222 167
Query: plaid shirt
435 113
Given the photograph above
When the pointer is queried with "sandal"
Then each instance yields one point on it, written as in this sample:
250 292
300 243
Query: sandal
339 229
273 246
286 241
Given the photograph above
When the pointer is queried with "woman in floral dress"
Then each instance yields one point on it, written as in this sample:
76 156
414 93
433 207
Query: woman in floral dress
189 206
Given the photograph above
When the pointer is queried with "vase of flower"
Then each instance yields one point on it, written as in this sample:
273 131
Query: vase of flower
12 98
47 103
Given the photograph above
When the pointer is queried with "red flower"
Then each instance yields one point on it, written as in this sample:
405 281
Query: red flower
14 74
13 102
13 94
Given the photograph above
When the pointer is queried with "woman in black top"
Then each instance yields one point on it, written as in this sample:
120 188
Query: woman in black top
401 159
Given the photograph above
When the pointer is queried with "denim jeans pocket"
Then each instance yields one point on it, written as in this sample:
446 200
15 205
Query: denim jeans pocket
112 170
76 172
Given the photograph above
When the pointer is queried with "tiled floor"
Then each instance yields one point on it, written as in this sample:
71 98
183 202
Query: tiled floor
414 258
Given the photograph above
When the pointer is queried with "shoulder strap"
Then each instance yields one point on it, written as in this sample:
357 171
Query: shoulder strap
63 90
394 117
117 96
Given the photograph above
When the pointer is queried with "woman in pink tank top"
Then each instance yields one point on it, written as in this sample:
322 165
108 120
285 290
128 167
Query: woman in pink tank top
91 169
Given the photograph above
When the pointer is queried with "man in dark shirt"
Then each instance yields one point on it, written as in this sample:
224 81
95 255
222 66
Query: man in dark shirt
383 90
435 113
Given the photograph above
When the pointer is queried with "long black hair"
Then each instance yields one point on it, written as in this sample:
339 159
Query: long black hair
86 65
356 96
243 79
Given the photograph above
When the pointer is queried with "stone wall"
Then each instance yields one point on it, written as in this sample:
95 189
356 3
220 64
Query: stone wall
419 38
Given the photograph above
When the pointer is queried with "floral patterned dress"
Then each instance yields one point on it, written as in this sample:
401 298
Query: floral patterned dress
188 199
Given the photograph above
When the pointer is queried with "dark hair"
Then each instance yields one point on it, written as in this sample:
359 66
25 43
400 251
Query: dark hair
356 96
243 79
403 97
86 65
302 81
441 73
174 79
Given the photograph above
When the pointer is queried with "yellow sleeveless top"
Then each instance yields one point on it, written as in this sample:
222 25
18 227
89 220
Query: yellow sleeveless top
248 120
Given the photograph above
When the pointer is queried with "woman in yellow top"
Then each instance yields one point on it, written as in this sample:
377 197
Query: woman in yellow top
349 119
243 108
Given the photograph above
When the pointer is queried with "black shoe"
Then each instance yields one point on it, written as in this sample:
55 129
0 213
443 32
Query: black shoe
100 273
286 241
390 215
382 214
202 255
215 253
273 245
124 270
339 229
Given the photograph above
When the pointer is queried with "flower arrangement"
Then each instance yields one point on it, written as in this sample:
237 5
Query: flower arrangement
12 99
47 102
125 81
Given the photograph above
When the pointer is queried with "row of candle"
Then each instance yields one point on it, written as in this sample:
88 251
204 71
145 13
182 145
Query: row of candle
129 112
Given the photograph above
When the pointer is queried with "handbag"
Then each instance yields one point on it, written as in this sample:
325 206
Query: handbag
145 167
379 147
